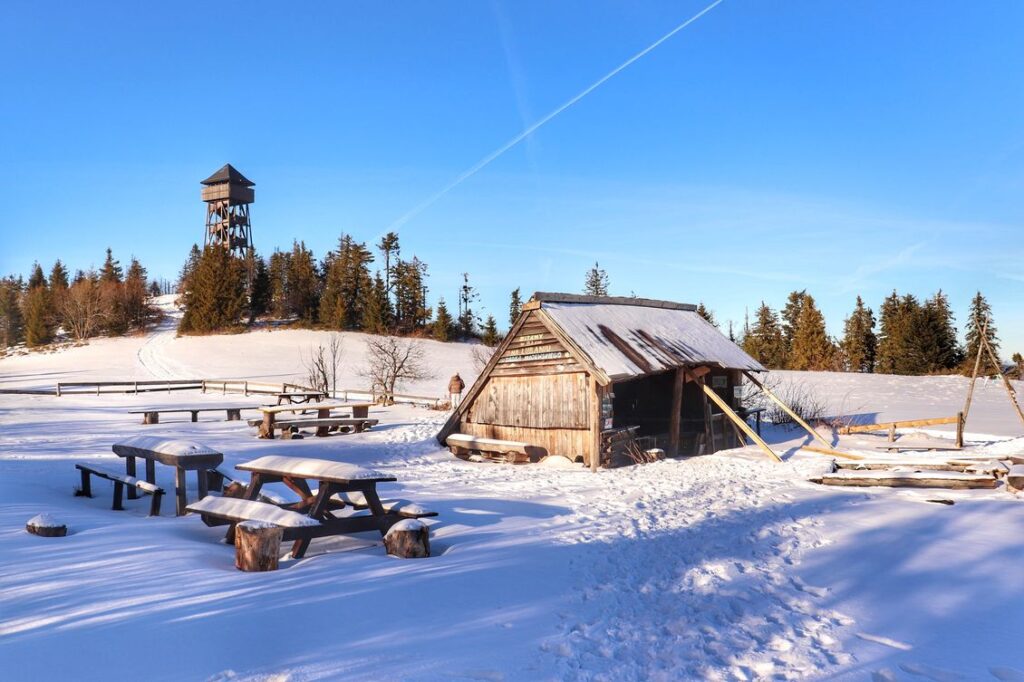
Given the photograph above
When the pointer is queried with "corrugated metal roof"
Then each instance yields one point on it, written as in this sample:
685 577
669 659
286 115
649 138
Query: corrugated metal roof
630 340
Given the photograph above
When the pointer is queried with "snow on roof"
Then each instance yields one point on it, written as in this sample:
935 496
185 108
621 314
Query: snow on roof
626 340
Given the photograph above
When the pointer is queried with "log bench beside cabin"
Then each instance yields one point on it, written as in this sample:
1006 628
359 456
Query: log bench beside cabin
575 370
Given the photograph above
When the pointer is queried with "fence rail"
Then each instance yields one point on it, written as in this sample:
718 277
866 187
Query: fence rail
223 386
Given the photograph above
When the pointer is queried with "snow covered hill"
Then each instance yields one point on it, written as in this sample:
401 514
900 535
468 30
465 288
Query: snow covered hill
722 567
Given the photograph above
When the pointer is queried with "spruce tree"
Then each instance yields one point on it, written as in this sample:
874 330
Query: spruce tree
812 348
376 311
596 283
790 314
764 341
58 276
259 286
37 278
216 297
187 269
979 320
859 341
408 284
467 318
111 272
347 285
515 308
36 310
443 326
1018 366
389 247
277 273
940 349
303 283
490 335
12 324
137 309
706 314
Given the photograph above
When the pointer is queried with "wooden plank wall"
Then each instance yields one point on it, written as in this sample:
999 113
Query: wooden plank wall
537 393
570 443
544 402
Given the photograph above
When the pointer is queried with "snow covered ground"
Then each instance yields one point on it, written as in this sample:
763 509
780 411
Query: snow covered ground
719 567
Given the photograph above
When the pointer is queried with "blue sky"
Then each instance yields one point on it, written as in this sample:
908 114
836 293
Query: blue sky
840 147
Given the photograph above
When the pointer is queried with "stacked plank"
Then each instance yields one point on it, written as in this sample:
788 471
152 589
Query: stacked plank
961 473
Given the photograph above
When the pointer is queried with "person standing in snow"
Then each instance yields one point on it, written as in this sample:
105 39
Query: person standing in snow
455 387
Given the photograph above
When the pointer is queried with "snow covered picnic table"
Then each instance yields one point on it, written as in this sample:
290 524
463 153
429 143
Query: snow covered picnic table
183 455
339 485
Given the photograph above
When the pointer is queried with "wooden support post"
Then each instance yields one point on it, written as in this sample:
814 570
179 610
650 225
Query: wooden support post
709 433
1006 382
595 424
830 452
129 468
960 429
974 378
676 417
728 411
58 389
892 433
785 408
180 501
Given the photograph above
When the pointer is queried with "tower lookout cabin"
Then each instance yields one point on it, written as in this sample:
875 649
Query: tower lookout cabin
227 194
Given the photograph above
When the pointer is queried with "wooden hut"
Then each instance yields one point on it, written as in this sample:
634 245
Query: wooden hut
594 378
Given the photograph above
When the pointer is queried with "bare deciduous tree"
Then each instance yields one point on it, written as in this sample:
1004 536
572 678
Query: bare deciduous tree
82 309
391 361
481 355
323 364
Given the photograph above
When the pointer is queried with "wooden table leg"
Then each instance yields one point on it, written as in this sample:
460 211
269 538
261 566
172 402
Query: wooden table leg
376 508
360 412
316 512
150 471
129 468
179 491
195 416
201 481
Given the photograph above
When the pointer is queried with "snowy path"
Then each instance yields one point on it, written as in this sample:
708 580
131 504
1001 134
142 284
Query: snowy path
152 355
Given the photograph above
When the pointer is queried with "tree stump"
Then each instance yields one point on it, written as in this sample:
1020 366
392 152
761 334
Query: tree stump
234 415
151 418
46 526
257 546
408 539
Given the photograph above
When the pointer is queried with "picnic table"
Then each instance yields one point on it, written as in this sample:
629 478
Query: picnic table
183 455
338 485
151 415
296 397
323 411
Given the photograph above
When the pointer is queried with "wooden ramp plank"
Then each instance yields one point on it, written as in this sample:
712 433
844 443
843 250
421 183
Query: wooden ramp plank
905 479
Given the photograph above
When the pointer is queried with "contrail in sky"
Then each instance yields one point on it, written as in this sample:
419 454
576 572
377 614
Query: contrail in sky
479 165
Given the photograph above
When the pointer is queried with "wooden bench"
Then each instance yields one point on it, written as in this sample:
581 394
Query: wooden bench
463 445
152 415
216 511
403 508
120 481
323 411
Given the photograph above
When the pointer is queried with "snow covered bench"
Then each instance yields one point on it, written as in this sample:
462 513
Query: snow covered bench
323 425
403 508
151 415
234 510
323 411
463 445
120 481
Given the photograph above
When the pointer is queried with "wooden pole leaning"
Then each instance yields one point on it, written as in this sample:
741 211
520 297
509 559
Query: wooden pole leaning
1006 382
728 411
778 401
974 378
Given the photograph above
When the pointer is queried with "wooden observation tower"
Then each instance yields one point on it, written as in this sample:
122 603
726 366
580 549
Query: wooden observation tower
227 194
